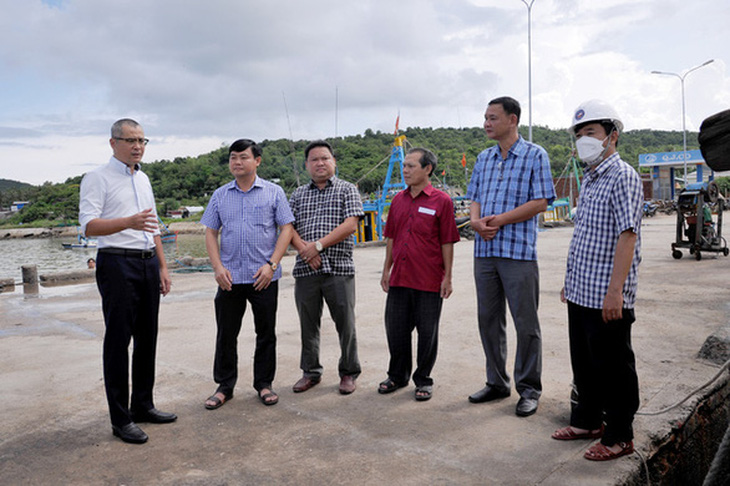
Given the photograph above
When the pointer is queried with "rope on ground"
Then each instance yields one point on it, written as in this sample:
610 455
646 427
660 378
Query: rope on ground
646 466
697 390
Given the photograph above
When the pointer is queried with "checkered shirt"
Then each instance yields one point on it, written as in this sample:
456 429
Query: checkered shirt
317 213
248 224
610 203
500 185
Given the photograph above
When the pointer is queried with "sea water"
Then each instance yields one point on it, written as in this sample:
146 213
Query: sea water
49 255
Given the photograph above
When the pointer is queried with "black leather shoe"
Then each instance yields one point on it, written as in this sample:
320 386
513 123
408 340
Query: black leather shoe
153 416
489 393
526 407
130 433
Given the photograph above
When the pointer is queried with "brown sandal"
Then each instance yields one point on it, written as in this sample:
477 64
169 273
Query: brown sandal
600 452
568 433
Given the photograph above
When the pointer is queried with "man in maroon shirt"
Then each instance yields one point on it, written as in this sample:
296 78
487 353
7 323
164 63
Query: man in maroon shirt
420 234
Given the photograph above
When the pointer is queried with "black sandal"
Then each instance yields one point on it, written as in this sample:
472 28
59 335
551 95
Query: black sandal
388 386
265 398
217 402
423 393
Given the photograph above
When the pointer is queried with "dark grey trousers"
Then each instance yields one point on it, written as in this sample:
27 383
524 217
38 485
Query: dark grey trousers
339 294
518 283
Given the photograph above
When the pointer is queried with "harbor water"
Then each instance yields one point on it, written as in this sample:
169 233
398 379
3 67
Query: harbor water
50 256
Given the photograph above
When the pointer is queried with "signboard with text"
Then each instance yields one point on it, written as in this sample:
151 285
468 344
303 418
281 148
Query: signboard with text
694 157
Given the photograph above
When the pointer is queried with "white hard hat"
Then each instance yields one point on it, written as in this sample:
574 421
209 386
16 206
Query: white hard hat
595 111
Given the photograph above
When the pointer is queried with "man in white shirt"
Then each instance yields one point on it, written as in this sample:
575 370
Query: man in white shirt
117 206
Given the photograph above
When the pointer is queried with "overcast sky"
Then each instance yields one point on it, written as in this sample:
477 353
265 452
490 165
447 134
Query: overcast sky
198 74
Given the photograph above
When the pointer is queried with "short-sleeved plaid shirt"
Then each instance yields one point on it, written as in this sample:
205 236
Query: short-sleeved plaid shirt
610 203
317 213
248 224
500 185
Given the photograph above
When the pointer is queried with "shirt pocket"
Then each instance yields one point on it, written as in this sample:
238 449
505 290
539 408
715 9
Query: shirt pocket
260 215
595 211
517 192
424 224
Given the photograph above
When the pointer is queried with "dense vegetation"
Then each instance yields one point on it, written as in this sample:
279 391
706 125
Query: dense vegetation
361 158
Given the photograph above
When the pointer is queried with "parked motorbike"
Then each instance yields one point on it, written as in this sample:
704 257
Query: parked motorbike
465 229
649 209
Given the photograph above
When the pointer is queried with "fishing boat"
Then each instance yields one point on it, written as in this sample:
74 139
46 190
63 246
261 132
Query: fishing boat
82 242
166 234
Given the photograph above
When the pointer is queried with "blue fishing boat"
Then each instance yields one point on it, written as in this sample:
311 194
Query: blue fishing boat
82 242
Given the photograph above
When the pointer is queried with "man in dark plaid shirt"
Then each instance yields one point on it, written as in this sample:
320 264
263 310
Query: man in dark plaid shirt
327 211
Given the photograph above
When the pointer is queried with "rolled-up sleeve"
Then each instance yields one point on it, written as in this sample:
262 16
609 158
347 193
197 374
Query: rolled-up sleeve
91 199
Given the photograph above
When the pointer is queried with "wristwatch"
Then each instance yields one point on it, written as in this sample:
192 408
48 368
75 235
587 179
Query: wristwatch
273 265
318 246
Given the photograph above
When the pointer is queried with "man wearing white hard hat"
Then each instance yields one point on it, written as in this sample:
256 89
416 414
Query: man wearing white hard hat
600 287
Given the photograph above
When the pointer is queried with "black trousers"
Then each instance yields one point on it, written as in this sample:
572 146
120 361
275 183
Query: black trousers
130 297
407 309
230 306
604 373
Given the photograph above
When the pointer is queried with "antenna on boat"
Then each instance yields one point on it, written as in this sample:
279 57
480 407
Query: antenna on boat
463 152
291 140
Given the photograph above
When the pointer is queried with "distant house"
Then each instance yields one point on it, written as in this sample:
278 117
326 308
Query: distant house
18 205
185 212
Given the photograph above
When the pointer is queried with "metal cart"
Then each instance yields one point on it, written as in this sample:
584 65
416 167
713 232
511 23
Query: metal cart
696 230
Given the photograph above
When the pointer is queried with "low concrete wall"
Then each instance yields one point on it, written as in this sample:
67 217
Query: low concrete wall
684 456
65 231
67 278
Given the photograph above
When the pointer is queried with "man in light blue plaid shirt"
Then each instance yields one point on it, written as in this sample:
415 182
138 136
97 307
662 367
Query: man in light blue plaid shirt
600 287
511 183
246 213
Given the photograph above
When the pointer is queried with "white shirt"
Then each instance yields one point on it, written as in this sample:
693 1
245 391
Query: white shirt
113 191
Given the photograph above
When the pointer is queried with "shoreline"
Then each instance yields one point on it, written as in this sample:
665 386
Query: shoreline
181 228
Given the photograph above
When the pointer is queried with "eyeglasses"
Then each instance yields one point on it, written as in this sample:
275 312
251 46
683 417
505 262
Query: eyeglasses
132 141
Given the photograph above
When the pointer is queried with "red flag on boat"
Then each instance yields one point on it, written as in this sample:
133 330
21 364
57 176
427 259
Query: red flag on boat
396 125
463 159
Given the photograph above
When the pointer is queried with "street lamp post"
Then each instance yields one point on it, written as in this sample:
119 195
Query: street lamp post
684 125
529 61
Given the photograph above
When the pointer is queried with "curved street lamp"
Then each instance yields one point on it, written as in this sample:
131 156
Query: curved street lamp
529 60
684 125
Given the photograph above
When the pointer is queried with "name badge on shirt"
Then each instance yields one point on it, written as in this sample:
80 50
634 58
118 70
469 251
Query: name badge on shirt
432 212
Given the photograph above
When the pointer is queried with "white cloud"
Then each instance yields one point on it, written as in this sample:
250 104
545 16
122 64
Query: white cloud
201 73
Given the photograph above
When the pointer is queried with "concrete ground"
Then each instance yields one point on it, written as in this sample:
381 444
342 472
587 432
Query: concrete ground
54 427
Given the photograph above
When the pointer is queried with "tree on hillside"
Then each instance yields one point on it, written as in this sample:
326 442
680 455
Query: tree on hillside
361 159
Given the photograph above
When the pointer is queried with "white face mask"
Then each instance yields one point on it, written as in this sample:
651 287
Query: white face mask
590 150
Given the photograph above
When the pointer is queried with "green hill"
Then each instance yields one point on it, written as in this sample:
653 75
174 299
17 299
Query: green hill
10 185
362 159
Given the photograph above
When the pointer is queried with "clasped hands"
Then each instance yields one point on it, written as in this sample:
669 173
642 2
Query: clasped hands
309 255
487 227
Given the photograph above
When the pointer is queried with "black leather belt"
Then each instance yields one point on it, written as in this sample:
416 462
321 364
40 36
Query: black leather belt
144 254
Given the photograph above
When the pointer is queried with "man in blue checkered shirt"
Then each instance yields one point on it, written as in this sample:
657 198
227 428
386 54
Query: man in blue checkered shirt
600 287
511 183
327 211
246 213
